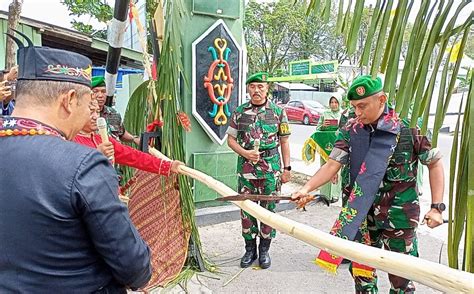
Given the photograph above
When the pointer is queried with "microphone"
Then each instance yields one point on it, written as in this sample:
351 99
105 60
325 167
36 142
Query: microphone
102 126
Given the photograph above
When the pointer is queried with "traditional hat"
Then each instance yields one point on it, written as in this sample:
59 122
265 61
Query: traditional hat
44 63
259 77
98 81
364 86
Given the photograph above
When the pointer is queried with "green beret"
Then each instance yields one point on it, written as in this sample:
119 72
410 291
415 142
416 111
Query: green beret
98 81
364 86
259 77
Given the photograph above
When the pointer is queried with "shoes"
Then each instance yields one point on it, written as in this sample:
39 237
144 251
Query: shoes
263 255
250 253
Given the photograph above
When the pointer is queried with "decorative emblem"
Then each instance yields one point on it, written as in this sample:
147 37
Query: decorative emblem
223 82
360 90
329 147
217 58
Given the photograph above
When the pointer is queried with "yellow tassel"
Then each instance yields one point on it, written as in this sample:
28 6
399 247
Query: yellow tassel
308 151
362 272
330 267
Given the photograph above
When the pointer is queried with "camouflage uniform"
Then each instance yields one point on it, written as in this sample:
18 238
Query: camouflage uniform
268 123
114 121
395 213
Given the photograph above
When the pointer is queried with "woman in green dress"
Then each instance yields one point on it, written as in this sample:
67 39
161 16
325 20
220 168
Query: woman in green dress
330 118
328 123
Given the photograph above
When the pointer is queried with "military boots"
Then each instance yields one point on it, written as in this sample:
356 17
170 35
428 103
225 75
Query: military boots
250 253
263 255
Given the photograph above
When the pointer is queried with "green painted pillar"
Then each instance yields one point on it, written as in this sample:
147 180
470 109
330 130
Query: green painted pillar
202 152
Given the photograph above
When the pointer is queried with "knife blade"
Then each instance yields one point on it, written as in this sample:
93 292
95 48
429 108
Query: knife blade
258 197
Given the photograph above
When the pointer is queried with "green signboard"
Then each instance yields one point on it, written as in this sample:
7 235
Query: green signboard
323 68
299 68
218 8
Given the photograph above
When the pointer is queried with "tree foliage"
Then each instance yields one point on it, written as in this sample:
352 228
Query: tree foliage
97 9
281 31
270 32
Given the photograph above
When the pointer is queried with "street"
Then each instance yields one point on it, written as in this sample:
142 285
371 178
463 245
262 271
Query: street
292 270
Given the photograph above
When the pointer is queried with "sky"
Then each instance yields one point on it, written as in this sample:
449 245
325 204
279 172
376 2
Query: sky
50 11
53 12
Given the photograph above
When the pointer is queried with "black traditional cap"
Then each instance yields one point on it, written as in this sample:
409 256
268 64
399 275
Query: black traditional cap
44 63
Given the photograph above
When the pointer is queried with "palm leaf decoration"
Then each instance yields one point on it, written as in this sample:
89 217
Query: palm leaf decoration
161 100
433 30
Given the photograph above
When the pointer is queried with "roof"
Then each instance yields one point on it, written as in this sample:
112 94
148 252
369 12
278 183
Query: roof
63 38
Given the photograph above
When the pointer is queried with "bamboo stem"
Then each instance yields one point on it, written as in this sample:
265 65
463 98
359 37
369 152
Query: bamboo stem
429 273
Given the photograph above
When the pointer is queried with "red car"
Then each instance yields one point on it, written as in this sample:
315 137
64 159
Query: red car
307 111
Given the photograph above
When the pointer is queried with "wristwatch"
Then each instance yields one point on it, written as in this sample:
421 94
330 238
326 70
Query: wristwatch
288 168
439 206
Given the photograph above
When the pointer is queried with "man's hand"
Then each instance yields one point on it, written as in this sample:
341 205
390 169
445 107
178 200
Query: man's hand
5 91
298 195
175 164
301 198
335 179
433 218
252 155
285 176
106 148
12 74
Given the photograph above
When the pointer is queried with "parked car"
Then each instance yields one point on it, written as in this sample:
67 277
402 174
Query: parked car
306 111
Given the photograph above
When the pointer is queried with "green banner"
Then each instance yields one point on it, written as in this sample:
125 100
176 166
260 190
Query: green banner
323 68
299 68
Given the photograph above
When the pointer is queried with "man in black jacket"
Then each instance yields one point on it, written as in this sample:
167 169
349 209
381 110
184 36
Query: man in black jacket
63 228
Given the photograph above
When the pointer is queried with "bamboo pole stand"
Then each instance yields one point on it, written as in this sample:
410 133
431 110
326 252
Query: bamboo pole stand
434 275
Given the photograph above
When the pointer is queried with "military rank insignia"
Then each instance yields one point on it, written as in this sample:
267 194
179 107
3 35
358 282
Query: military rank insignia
284 129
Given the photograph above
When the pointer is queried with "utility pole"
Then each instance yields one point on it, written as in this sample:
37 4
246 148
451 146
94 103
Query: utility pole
14 10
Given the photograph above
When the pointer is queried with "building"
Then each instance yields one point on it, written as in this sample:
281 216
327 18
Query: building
44 34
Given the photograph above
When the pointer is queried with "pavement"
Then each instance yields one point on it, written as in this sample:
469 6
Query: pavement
292 270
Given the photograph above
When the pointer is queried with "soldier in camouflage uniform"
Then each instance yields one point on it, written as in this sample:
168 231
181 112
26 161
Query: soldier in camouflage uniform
394 213
113 118
260 171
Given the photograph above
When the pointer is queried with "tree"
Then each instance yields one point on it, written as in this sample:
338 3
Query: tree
270 32
102 12
281 31
98 9
318 40
14 10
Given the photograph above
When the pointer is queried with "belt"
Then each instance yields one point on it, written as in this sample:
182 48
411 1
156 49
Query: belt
269 152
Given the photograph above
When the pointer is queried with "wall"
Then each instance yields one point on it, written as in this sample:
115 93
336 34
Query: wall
129 84
34 36
201 152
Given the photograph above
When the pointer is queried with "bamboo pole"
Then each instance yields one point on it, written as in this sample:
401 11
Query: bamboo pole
429 273
159 20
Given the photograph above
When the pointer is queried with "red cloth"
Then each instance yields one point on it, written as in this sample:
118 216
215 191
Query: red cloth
151 127
125 155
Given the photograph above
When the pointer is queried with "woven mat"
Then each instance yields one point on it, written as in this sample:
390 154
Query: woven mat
155 209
